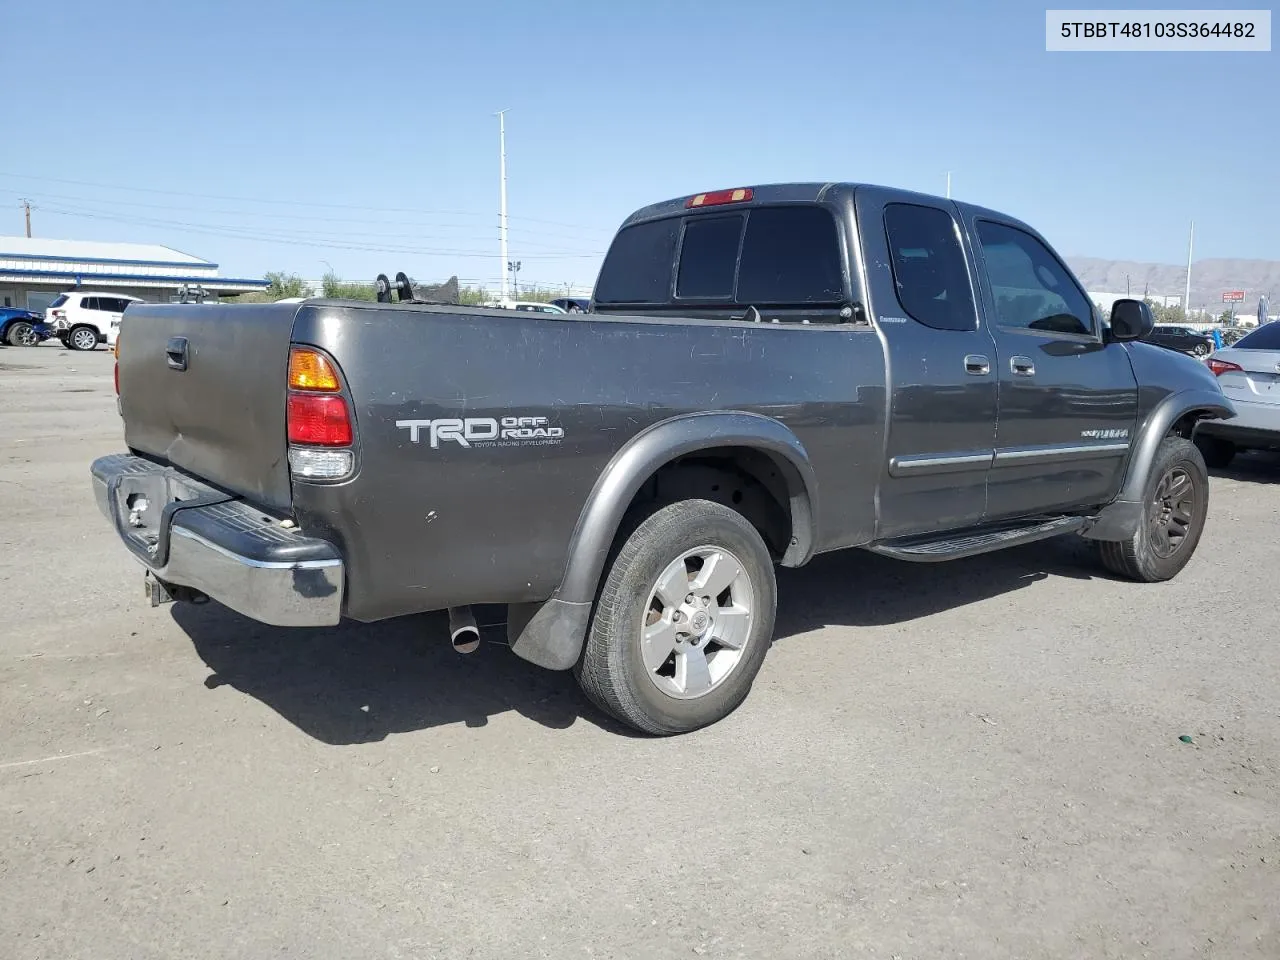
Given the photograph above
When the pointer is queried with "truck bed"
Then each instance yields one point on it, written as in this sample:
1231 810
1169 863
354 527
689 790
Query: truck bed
489 520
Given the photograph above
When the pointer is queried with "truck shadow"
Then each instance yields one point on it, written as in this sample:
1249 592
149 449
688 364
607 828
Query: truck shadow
855 588
359 683
1254 466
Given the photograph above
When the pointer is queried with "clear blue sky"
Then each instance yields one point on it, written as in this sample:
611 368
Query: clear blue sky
384 112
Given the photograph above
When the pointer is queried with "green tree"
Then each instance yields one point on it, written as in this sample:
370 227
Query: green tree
335 288
283 285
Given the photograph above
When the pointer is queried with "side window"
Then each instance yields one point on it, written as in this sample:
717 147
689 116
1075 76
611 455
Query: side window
637 268
708 257
1032 290
928 267
89 303
790 256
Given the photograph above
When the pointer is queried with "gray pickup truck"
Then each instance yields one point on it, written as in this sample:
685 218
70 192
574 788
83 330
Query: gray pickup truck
765 374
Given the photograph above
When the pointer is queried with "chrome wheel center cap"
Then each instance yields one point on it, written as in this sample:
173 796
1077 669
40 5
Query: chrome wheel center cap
699 621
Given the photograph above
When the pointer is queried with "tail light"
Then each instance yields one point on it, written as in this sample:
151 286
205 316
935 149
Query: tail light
1219 367
115 352
318 421
718 197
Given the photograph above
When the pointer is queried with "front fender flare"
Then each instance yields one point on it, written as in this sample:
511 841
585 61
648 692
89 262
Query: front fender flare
551 634
1119 520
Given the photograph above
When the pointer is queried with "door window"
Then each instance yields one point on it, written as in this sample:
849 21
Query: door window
928 267
1031 287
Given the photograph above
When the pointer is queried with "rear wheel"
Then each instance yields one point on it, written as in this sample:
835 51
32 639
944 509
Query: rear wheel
683 621
22 334
82 338
1201 350
1217 453
1176 502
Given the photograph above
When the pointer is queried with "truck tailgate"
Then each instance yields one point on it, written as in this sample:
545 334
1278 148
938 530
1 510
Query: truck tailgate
218 412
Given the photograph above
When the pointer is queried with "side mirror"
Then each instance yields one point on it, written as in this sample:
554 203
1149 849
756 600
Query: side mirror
1131 320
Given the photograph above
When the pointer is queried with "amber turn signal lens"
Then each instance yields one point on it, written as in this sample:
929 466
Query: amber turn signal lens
311 370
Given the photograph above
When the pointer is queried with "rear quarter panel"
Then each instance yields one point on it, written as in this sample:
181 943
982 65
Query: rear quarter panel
423 528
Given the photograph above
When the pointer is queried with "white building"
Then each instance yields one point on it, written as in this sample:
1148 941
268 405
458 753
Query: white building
33 271
1105 299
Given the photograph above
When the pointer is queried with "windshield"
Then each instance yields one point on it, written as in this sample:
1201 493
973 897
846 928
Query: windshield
59 300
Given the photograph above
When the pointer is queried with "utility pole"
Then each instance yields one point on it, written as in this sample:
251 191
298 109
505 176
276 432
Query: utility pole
502 213
1186 300
26 205
514 267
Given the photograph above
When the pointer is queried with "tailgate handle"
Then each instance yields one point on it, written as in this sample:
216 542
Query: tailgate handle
175 352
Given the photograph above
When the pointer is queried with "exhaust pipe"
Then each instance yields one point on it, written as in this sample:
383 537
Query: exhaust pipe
463 632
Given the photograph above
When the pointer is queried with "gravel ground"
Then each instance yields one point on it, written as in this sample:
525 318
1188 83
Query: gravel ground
977 760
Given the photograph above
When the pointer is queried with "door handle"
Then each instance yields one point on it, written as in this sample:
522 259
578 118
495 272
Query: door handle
1022 366
977 365
175 353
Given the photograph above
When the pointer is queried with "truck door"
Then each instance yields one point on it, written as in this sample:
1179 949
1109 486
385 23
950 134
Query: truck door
1067 400
941 362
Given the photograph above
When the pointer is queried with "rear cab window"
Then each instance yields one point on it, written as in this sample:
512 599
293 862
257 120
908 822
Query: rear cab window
1266 337
786 258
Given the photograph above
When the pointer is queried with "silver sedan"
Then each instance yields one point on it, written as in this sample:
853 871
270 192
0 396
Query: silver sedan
1249 373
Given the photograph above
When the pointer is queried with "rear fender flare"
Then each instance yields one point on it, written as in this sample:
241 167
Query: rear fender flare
657 446
551 634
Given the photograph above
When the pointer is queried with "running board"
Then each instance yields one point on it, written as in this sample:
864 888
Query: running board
971 542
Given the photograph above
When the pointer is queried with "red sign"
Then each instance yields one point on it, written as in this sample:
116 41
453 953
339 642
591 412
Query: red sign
1233 296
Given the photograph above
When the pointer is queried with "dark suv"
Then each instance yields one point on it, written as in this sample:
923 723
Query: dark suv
1181 339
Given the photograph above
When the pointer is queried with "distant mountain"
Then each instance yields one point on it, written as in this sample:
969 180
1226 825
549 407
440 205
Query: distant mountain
1209 278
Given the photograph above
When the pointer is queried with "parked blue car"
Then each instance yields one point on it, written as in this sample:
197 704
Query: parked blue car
22 328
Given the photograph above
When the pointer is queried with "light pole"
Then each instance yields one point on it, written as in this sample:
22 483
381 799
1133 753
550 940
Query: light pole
502 210
513 267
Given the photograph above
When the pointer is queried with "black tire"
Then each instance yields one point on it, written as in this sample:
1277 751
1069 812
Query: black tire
78 338
1149 556
1201 350
1217 453
612 671
21 334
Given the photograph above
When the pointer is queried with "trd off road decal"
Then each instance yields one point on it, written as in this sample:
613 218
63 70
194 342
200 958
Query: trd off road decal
484 431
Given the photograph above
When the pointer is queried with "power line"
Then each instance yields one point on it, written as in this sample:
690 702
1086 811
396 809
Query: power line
265 231
290 240
181 208
299 203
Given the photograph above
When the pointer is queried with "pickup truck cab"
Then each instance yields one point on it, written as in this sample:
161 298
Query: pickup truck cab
765 374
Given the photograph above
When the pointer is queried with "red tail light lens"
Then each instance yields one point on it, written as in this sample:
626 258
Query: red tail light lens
717 197
319 419
1219 367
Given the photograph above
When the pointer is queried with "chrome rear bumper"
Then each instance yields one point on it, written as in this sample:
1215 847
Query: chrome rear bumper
189 534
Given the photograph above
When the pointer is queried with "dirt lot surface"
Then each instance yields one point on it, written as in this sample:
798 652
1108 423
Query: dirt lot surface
976 760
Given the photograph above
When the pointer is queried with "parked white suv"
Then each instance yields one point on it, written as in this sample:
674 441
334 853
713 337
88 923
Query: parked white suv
85 318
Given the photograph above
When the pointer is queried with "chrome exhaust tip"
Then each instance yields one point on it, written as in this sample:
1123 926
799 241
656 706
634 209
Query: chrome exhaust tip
464 635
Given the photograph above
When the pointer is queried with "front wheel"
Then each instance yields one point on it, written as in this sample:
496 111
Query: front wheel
1176 502
683 621
82 338
1201 350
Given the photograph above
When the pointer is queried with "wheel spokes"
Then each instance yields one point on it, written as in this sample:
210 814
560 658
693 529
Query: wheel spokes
672 585
657 642
693 673
718 573
732 627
